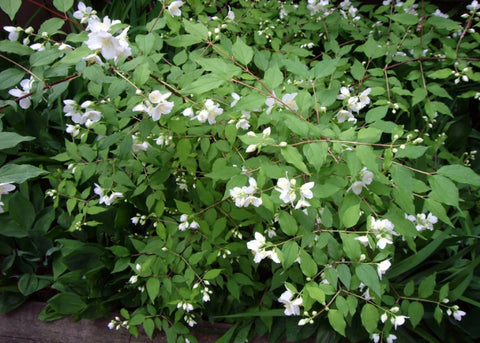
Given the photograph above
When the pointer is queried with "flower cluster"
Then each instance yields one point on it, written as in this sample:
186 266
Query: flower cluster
366 178
383 230
396 320
106 199
139 145
288 192
258 246
26 85
422 222
185 224
353 103
288 100
84 13
81 114
209 113
156 105
243 196
292 306
457 313
101 38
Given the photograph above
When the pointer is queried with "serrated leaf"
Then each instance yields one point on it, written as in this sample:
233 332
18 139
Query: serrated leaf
242 52
196 29
459 173
316 154
273 77
325 68
445 190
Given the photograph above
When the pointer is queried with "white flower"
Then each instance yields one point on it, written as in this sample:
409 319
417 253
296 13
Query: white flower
133 279
375 337
188 112
258 247
344 93
391 338
83 13
344 115
457 313
292 307
287 192
270 102
366 176
74 130
473 6
174 8
356 187
382 268
363 97
242 124
439 13
210 112
398 320
243 196
230 14
93 58
13 32
235 97
289 101
26 85
305 190
384 317
363 240
6 187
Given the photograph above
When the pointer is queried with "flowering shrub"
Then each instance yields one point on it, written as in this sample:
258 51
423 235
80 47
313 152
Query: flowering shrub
244 161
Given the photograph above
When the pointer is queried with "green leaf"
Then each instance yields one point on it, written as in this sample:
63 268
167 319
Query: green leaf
293 157
242 52
438 211
409 288
336 320
307 264
183 41
376 113
427 286
67 303
316 154
203 84
63 5
438 314
344 274
22 210
51 26
445 190
325 68
412 151
12 139
404 18
19 173
149 327
288 224
413 261
212 274
357 70
459 173
415 312
196 29
443 23
220 67
273 77
15 48
153 288
350 210
27 284
370 317
290 251
10 77
10 7
351 246
315 292
44 57
368 275
440 74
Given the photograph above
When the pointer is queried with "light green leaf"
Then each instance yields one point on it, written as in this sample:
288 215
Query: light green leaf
344 274
368 275
51 26
307 264
12 139
15 48
316 154
183 41
336 320
290 251
404 18
427 286
19 173
242 52
315 292
10 77
273 77
325 68
444 190
370 317
412 151
350 210
212 274
203 84
293 157
149 327
10 7
351 246
459 173
440 74
63 5
196 29
288 224
415 312
153 288
357 70
376 113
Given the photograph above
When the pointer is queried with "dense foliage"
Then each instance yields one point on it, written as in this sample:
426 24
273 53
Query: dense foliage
295 168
